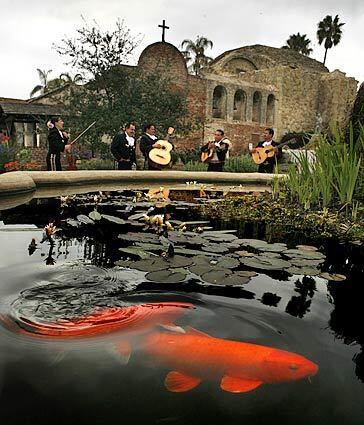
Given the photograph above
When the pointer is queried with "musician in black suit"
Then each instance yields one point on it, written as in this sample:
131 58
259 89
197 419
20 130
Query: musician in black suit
123 148
57 143
148 141
268 165
219 151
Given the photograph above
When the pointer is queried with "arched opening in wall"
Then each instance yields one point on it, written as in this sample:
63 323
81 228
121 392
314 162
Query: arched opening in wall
270 110
257 106
239 105
219 102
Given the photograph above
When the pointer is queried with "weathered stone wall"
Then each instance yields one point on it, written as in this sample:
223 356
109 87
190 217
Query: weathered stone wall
336 98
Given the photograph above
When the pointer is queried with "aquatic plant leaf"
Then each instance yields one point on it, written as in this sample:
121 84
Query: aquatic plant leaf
307 271
253 243
272 247
166 276
139 237
84 219
333 276
245 254
150 246
151 264
246 273
124 263
216 277
306 247
310 255
227 263
136 251
186 251
202 269
179 261
137 216
94 215
72 222
265 263
218 248
236 279
304 262
113 219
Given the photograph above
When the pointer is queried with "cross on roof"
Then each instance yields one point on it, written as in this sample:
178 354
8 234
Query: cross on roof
164 27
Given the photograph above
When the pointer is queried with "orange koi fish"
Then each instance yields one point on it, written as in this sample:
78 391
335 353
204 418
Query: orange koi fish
240 367
132 318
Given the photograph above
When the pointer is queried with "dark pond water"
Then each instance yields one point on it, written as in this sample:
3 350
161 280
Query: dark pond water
75 379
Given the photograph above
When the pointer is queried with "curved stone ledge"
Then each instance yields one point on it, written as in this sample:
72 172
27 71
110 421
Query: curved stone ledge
47 183
16 183
135 178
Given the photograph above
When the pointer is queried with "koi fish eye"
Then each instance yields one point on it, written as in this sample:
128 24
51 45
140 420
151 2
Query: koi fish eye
293 366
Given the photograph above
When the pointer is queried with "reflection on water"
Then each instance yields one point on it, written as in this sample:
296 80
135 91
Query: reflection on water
94 381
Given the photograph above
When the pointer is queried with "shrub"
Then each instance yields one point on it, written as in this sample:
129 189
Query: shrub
95 164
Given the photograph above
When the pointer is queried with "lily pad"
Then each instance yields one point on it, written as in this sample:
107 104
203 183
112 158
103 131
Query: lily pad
166 276
201 269
236 279
307 271
254 243
227 263
300 253
262 262
94 215
245 254
272 247
151 264
84 219
124 263
139 237
136 251
306 247
216 277
304 262
217 248
72 222
186 251
113 219
333 276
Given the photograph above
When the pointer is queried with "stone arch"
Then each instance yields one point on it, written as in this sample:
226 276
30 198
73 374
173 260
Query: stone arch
219 99
270 109
257 106
239 112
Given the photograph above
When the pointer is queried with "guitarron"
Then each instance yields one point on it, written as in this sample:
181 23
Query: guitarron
162 155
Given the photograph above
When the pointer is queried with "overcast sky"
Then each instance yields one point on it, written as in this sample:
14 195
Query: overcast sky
30 27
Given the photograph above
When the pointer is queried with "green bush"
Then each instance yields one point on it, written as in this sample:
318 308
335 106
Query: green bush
240 164
95 164
195 166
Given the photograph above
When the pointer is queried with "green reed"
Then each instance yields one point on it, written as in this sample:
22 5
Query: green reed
333 177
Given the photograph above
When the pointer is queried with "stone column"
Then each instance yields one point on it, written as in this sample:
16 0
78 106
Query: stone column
263 109
230 92
249 105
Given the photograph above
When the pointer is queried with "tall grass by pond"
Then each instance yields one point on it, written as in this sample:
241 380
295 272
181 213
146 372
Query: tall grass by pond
333 179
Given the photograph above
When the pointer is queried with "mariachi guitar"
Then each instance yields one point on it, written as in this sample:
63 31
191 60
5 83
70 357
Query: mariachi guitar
162 155
262 153
205 156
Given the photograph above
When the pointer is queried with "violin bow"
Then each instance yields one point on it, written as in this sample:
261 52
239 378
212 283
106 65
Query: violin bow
81 134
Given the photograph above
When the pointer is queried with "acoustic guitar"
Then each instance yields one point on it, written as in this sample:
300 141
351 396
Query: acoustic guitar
205 156
261 154
162 155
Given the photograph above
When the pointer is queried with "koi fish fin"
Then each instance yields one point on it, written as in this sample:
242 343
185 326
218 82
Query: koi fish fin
173 328
192 331
238 385
178 382
123 350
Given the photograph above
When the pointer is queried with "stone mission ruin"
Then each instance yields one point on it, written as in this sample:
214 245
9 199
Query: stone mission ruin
242 91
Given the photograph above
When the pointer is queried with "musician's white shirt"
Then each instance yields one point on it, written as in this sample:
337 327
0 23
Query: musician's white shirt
267 143
131 140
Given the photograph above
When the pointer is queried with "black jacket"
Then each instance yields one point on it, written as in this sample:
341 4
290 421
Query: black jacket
146 144
56 142
220 152
121 149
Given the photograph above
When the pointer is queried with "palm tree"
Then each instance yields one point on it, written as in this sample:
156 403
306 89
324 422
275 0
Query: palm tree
299 43
68 79
195 51
329 30
42 87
